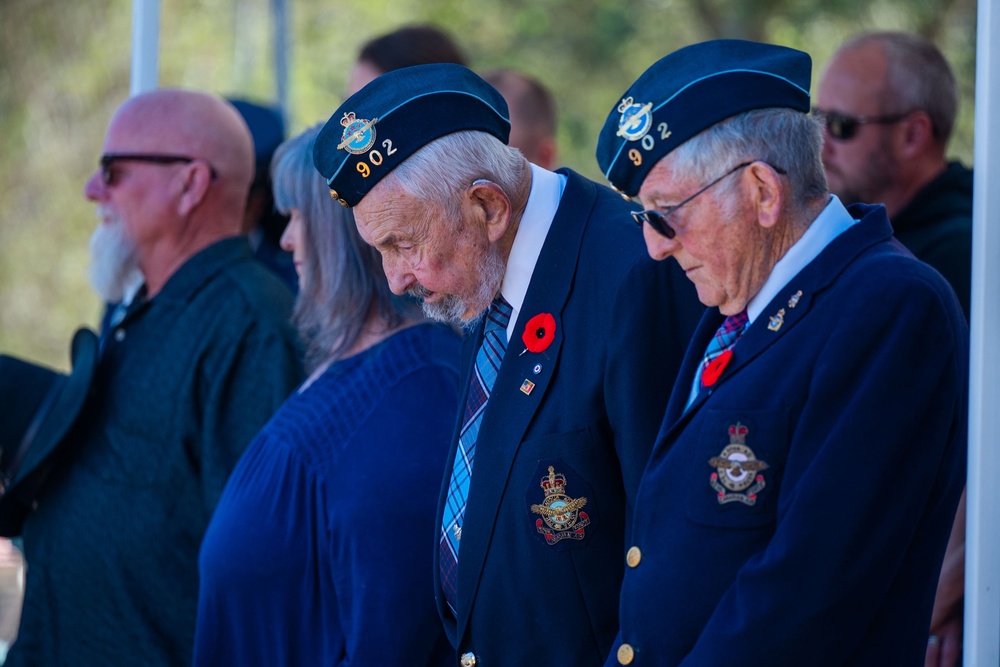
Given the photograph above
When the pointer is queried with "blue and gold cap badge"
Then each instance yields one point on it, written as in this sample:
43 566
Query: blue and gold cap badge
636 119
358 135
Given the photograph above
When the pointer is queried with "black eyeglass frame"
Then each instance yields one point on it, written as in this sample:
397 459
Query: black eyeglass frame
658 219
843 127
108 160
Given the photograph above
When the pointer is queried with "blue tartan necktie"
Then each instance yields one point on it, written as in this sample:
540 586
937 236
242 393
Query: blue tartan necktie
485 374
724 339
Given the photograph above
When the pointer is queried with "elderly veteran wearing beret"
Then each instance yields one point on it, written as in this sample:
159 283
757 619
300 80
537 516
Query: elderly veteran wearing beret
790 514
574 336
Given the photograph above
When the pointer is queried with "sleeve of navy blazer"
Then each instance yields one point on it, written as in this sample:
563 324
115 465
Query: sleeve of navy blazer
655 312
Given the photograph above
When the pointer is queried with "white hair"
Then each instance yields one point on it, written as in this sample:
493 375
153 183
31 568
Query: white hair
443 169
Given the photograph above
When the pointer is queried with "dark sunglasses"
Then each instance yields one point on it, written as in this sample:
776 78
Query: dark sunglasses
658 220
108 160
843 127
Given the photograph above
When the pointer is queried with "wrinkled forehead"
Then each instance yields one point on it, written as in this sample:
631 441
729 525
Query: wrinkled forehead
391 213
666 180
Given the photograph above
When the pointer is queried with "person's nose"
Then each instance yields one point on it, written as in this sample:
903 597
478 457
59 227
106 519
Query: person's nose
287 240
658 246
95 189
398 273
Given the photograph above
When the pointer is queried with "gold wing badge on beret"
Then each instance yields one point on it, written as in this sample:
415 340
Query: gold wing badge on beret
359 134
736 469
636 119
562 517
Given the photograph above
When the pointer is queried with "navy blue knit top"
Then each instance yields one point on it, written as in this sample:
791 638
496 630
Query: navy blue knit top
320 550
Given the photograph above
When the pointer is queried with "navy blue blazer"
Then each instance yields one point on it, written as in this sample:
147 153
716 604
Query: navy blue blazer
797 513
530 592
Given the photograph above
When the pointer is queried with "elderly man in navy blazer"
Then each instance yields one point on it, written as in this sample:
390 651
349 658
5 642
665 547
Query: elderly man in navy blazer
575 337
797 502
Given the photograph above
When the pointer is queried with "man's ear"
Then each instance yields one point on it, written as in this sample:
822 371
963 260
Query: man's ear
767 192
493 206
916 134
197 177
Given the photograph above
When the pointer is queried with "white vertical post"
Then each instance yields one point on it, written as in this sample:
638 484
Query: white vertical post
145 45
982 564
279 10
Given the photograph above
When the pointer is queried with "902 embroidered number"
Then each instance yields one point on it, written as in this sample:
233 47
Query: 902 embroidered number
375 157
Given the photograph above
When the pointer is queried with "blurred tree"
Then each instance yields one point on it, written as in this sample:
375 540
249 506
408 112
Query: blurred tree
65 67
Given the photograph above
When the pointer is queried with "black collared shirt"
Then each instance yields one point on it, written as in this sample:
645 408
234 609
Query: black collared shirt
185 381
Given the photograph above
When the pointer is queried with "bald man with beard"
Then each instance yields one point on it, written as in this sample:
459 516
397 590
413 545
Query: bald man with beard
187 375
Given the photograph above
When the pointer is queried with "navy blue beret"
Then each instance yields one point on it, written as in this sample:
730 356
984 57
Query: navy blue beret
267 127
394 116
690 90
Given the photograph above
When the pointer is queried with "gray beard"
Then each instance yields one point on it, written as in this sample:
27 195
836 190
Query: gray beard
452 307
114 263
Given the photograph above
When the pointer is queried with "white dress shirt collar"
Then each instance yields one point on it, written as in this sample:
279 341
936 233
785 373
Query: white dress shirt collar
832 221
546 190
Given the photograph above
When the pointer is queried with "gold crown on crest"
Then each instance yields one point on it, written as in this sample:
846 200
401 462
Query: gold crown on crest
553 483
738 433
348 118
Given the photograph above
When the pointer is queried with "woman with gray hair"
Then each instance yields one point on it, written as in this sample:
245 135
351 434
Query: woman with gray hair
320 550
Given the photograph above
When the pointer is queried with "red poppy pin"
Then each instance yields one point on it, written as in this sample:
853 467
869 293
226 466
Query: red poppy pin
713 369
539 332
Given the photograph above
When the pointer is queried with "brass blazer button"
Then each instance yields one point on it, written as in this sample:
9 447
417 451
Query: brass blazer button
633 557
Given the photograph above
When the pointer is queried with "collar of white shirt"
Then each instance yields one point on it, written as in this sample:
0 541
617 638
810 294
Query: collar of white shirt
546 190
832 221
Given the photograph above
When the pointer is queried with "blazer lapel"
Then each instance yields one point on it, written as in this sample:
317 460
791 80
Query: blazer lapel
779 317
519 390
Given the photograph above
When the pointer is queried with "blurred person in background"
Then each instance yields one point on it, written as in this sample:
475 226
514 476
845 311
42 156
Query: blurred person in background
404 47
187 375
320 551
532 115
264 224
888 102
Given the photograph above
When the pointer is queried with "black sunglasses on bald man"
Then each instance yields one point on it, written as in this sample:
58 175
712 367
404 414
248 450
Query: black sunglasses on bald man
108 160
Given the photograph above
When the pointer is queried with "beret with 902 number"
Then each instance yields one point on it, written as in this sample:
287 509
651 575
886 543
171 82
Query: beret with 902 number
690 90
395 115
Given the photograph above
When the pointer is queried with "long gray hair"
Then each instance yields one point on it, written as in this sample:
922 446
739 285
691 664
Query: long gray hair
343 281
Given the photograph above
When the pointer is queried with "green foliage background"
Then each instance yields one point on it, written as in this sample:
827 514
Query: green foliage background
64 68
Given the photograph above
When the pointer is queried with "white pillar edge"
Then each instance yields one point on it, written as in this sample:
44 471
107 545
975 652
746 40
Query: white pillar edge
982 582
